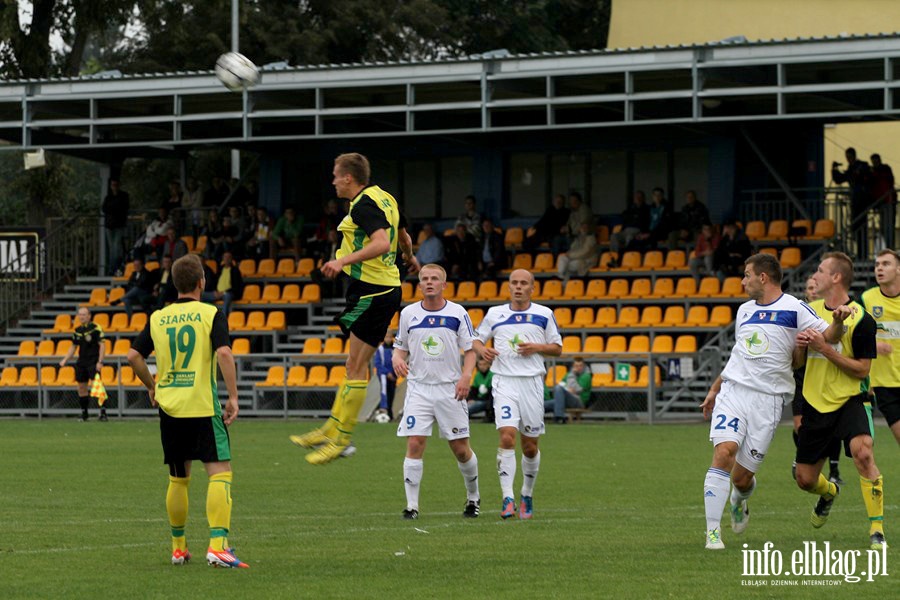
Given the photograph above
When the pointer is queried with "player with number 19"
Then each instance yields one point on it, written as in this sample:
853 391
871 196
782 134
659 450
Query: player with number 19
432 333
746 400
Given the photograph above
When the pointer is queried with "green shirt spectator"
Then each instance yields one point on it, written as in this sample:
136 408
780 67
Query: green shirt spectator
573 391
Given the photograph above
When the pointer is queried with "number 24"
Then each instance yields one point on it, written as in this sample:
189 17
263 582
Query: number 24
732 423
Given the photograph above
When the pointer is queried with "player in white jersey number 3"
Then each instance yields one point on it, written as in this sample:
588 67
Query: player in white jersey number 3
432 333
746 400
523 333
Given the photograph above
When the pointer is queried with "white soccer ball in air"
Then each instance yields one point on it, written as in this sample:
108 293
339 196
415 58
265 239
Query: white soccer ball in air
236 71
382 417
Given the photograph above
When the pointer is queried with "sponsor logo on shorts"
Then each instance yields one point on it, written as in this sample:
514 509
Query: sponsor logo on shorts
757 454
456 430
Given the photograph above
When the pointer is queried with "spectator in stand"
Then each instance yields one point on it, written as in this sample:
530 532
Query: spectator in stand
253 192
192 202
461 251
155 235
227 285
431 250
329 221
693 216
238 195
660 221
704 251
215 196
288 234
138 289
387 379
258 244
173 201
883 192
857 176
732 252
493 251
471 218
581 256
239 237
174 247
548 226
579 213
481 396
573 391
115 220
635 221
164 289
215 234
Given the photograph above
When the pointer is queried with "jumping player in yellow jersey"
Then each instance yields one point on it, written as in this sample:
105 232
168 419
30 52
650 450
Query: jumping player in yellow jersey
835 388
883 303
373 231
189 338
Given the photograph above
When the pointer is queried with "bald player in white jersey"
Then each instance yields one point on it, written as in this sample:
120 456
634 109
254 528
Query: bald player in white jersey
432 333
746 400
523 333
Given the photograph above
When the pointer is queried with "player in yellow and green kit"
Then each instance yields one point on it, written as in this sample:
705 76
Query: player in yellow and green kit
372 231
883 303
189 338
835 388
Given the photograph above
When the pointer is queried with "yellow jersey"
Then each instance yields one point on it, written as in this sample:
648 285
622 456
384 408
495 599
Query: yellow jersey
185 335
371 210
826 387
886 312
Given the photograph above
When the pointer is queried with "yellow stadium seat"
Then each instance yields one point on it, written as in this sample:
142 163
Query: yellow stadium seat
276 321
554 375
778 230
631 261
305 266
27 348
275 377
151 265
513 237
9 376
129 269
790 258
601 379
406 292
66 376
395 322
45 348
628 316
651 316
48 375
27 376
337 375
824 229
200 246
188 241
770 251
62 324
236 320
270 293
102 319
465 291
296 376
639 344
675 260
107 346
731 288
265 268
476 315
247 267
98 297
686 343
602 234
290 293
312 346
574 290
487 290
801 228
709 287
551 290
663 288
643 377
640 288
121 347
312 293
317 376
674 316
653 260
606 317
685 288
333 346
286 267
698 316
616 344
522 261
596 289
240 347
119 322
251 294
755 230
593 344
662 344
544 263
606 258
563 316
114 294
618 288
138 322
256 321
720 315
108 376
504 291
583 317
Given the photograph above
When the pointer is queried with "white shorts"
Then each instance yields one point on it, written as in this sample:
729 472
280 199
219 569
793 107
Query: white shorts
426 403
747 417
519 403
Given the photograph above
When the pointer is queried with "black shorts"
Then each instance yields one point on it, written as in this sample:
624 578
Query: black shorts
369 311
817 430
888 402
193 438
798 401
85 373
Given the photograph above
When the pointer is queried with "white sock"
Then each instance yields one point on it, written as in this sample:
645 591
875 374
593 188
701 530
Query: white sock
530 468
469 472
715 495
412 477
737 496
506 469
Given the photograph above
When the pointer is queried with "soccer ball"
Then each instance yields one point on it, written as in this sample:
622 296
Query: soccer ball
382 417
236 71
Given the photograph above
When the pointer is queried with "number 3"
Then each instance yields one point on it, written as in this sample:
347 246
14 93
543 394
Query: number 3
507 412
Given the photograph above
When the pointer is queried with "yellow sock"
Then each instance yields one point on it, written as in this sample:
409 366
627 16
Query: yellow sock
873 497
332 425
824 488
177 508
218 509
354 396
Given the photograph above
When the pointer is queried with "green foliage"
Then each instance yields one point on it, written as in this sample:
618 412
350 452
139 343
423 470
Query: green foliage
618 514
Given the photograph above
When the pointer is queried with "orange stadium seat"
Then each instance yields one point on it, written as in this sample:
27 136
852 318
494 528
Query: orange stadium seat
236 320
824 229
674 316
778 230
296 376
27 376
274 377
333 345
663 288
643 376
571 344
596 289
769 250
574 290
127 377
312 346
554 375
651 316
66 376
312 293
138 322
337 375
395 322
709 287
108 375
639 344
631 261
504 291
200 246
618 288
583 317
606 317
605 259
27 348
265 268
270 293
522 261
98 297
286 267
189 242
465 291
476 315
48 375
640 288
114 294
731 288
544 263
406 292
240 347
305 266
9 376
593 344
62 324
45 348
487 290
251 294
119 322
628 316
662 344
121 347
247 267
62 347
755 230
801 227
790 258
675 260
317 375
513 237
616 344
601 379
551 290
290 293
102 320
686 343
653 260
256 321
276 321
151 265
720 315
686 288
697 316
562 316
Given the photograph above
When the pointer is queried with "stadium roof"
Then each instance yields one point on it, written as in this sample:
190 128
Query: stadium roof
734 80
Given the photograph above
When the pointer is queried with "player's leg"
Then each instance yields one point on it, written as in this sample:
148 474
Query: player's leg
413 467
872 485
416 427
531 406
215 449
83 397
507 420
177 509
531 464
453 422
888 402
817 430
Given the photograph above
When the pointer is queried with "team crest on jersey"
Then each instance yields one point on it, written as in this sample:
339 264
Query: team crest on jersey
432 345
877 311
87 338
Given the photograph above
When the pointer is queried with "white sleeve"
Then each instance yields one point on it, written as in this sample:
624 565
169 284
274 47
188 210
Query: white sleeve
807 318
484 331
551 333
465 332
402 332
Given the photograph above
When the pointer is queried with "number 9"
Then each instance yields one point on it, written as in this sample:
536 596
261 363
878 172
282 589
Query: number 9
410 422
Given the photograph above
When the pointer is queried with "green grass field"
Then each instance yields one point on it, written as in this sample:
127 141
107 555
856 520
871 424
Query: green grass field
618 513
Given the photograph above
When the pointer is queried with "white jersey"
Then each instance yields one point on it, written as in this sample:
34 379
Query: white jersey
509 328
766 335
433 339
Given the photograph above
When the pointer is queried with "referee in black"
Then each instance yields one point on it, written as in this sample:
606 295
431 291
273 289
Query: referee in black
88 340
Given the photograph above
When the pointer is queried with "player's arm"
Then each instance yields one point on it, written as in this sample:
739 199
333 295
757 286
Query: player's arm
372 220
220 341
483 351
710 400
398 361
462 386
102 354
529 348
137 354
71 353
798 357
405 244
854 367
834 332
